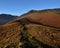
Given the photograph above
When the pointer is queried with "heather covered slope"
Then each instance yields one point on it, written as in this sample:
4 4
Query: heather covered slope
31 30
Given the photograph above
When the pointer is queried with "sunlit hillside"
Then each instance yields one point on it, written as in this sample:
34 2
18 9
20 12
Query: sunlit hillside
35 29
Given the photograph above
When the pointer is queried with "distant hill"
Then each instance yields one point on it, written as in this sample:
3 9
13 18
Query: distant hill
4 18
35 29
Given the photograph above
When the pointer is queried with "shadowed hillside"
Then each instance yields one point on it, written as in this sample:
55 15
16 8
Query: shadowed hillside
35 29
4 18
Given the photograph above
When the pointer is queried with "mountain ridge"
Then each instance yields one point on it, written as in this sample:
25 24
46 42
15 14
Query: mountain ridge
27 31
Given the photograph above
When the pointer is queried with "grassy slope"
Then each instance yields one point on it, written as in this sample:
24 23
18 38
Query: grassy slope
27 33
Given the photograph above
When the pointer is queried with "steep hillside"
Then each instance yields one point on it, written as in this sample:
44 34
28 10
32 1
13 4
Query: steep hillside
45 17
36 29
4 18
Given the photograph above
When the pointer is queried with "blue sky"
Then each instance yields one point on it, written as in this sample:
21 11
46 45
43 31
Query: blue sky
18 7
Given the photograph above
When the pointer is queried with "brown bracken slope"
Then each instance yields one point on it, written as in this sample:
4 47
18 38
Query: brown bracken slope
45 17
35 29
